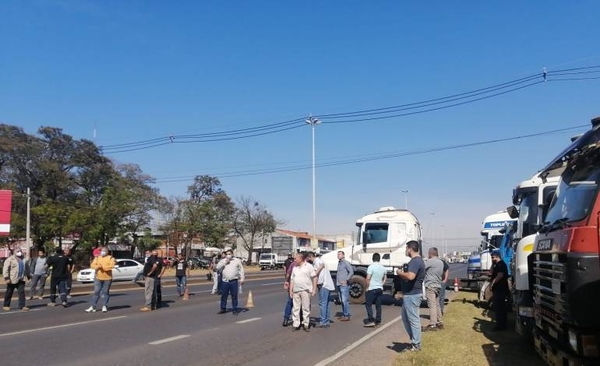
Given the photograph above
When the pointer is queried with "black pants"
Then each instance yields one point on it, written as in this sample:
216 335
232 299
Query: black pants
499 308
10 288
374 297
61 283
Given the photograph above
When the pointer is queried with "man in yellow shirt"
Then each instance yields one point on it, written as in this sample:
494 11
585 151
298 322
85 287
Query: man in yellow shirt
103 265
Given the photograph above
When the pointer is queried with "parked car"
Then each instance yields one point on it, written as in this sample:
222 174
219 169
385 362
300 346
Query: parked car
197 262
125 270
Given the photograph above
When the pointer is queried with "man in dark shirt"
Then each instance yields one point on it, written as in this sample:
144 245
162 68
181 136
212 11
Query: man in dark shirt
61 270
412 294
152 271
181 274
443 288
500 290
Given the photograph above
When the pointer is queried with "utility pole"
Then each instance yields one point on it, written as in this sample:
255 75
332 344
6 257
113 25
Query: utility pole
405 191
313 122
28 223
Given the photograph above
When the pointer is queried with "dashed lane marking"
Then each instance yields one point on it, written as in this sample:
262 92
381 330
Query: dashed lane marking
60 326
170 339
248 320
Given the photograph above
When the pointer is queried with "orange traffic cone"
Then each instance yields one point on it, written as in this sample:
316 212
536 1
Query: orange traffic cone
186 294
456 284
250 303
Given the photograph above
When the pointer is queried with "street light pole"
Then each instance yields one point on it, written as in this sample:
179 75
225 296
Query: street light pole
405 191
313 122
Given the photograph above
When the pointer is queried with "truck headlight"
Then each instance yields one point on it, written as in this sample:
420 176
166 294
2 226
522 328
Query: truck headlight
526 311
573 340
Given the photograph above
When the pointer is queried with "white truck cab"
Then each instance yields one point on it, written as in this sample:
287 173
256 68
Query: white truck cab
386 231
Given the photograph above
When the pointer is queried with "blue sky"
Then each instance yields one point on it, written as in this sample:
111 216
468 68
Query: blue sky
137 70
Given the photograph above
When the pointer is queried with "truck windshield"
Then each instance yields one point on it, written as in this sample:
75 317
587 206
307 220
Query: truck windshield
376 233
575 194
528 214
265 256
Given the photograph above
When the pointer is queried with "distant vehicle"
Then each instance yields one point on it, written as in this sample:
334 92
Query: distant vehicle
271 261
126 270
197 262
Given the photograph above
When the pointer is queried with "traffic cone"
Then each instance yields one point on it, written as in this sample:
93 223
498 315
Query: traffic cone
456 284
250 303
186 294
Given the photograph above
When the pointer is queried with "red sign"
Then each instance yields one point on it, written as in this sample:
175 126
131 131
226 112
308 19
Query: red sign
5 208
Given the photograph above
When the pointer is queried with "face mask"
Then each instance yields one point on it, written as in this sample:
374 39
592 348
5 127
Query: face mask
229 256
19 254
103 253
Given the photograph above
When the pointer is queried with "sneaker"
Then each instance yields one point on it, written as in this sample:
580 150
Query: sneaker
91 309
64 304
145 308
24 308
429 328
412 348
344 319
104 309
369 325
306 328
69 297
6 308
51 304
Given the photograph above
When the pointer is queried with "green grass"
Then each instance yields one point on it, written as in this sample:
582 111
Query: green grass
468 340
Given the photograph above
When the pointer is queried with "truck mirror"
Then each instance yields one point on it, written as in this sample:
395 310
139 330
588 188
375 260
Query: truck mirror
513 212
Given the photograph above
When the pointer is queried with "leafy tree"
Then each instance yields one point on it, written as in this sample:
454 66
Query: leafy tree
252 221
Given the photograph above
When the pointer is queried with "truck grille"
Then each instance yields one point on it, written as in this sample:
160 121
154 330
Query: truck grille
550 292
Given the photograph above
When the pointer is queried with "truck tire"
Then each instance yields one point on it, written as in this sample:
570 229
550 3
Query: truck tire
358 289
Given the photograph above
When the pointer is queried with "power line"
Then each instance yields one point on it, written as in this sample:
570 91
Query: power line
375 157
373 114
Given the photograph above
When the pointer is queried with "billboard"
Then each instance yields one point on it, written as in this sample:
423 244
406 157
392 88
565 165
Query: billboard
5 208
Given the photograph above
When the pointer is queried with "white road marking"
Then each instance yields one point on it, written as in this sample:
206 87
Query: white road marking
271 284
171 339
330 359
61 326
248 320
19 311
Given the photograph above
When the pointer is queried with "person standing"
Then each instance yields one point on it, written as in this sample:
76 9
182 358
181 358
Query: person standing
287 310
216 276
232 272
434 271
152 269
15 275
303 285
500 290
71 270
343 276
61 270
443 291
412 277
181 274
375 279
39 273
103 264
140 274
325 285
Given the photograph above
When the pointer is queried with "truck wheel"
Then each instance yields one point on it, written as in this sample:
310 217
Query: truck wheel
358 288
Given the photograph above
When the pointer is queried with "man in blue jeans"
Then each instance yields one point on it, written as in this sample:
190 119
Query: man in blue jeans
343 276
325 286
375 280
232 272
412 276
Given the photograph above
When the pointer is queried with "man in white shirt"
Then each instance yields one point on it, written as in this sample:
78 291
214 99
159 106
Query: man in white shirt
232 276
325 285
303 285
375 279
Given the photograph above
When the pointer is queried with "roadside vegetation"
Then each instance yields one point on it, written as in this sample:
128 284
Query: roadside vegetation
80 194
468 339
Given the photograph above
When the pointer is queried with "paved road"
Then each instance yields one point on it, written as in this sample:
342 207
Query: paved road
181 333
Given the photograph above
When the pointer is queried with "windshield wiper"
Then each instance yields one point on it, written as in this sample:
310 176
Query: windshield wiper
556 225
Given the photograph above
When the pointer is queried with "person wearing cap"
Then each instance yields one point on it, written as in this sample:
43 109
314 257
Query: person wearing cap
16 273
499 286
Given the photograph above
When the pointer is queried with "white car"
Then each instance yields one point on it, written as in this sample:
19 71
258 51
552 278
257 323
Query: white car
126 269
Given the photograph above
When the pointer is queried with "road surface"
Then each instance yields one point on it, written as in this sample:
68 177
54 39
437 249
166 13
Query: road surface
180 333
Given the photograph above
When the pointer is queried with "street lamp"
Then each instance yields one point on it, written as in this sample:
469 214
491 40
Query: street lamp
313 122
405 191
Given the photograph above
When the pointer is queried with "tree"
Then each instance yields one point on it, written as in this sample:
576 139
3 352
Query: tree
252 221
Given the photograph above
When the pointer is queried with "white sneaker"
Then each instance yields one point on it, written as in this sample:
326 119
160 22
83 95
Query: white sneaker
91 309
104 309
